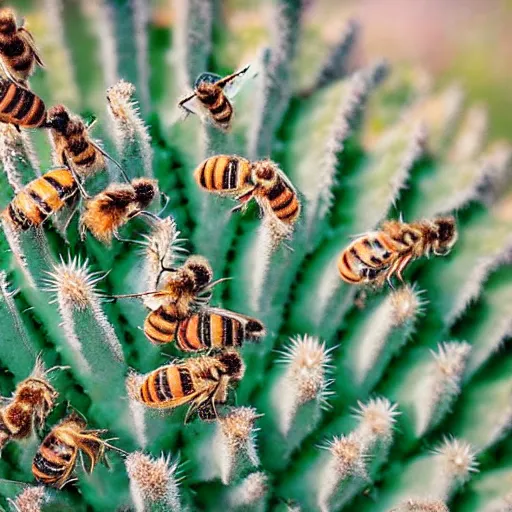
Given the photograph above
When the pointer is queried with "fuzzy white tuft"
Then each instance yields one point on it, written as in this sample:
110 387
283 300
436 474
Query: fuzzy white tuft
141 13
472 135
31 499
307 363
346 461
74 286
131 134
438 390
420 505
499 504
235 443
249 492
153 482
455 462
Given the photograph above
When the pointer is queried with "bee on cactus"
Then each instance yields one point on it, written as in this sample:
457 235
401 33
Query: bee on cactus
378 255
56 457
201 382
73 145
41 198
181 312
112 208
245 180
21 107
32 402
18 52
212 95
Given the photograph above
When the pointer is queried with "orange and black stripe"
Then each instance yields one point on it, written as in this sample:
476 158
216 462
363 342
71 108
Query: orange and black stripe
224 173
284 202
160 325
214 99
165 384
41 198
20 106
54 460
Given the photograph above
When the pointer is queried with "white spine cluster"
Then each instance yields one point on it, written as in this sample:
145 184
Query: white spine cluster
413 505
438 390
304 380
153 482
31 499
250 492
455 461
235 443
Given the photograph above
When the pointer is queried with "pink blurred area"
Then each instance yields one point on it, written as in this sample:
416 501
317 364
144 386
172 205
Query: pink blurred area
469 41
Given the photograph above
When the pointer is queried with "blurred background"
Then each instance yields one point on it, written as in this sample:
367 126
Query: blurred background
467 41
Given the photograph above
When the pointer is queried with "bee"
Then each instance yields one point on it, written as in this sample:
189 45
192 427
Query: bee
18 52
202 382
213 94
111 209
21 107
56 457
31 403
73 146
41 198
261 180
377 256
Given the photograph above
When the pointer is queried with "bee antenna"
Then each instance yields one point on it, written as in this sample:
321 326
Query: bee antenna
209 286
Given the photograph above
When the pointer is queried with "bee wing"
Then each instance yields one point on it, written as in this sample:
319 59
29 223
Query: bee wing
243 319
235 82
191 105
27 37
9 75
202 398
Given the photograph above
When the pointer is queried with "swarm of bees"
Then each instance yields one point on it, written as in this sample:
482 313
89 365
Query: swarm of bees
179 310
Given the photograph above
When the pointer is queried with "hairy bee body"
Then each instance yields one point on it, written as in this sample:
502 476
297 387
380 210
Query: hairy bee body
213 99
261 180
18 53
160 325
194 381
377 256
56 457
72 143
21 107
109 210
41 198
225 174
33 399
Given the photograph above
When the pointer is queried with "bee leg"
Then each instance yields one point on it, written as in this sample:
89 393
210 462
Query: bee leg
402 266
128 241
166 202
17 128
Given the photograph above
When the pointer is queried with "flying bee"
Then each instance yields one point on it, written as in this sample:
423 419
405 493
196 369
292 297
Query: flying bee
261 180
21 107
41 198
212 97
18 52
377 256
30 405
73 145
201 382
56 457
111 209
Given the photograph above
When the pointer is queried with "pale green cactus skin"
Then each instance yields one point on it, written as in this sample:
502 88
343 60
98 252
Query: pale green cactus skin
400 400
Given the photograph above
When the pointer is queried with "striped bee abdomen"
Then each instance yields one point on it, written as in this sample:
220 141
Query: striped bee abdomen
284 202
41 198
52 460
216 102
20 106
209 330
166 384
223 173
160 325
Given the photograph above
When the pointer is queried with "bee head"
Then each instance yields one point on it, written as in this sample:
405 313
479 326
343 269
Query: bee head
74 420
7 21
446 235
264 173
233 364
58 118
254 328
145 191
201 270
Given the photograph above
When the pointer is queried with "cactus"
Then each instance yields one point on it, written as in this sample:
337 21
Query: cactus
376 399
